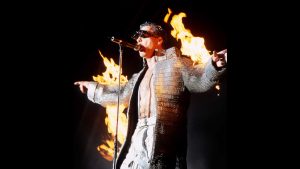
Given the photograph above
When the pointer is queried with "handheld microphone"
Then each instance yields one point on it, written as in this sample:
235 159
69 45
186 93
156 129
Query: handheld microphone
126 44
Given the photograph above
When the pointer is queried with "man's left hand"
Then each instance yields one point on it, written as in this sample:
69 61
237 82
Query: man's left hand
220 58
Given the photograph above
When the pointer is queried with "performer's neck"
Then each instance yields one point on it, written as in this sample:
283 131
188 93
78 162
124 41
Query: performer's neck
151 62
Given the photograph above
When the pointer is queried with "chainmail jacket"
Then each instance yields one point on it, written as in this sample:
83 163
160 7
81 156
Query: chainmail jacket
175 77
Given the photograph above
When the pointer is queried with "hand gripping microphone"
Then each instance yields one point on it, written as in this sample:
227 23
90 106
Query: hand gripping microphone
126 44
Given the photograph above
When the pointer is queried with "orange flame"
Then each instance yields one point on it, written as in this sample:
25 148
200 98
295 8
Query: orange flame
190 45
111 77
167 15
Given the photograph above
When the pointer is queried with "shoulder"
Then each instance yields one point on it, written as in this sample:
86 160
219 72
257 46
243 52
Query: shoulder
173 52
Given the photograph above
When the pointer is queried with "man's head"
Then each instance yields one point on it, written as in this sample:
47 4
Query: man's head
150 37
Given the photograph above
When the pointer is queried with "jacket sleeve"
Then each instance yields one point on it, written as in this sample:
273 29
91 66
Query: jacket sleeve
108 95
199 79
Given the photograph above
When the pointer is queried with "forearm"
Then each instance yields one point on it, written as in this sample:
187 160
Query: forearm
108 94
105 95
202 79
212 72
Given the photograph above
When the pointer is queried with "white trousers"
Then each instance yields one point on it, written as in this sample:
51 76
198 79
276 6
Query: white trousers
140 150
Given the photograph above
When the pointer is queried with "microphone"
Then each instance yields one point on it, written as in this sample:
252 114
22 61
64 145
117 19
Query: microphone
126 44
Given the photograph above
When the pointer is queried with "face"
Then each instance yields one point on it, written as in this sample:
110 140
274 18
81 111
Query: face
148 42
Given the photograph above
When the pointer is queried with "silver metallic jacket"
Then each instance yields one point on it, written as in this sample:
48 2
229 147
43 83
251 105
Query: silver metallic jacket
175 77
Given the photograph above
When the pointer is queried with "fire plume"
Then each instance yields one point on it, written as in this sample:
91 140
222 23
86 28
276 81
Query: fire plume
167 15
111 77
190 45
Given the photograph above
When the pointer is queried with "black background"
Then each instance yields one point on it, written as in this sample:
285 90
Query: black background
53 45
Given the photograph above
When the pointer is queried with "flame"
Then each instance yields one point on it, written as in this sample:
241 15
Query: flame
190 45
111 77
167 15
110 121
107 149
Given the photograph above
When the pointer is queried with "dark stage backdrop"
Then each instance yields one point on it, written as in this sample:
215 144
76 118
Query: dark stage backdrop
61 41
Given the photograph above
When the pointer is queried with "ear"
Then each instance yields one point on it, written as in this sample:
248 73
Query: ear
160 41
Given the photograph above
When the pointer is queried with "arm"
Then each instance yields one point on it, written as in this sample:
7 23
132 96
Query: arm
106 94
198 79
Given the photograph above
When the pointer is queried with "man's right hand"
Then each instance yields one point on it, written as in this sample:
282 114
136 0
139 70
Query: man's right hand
82 86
